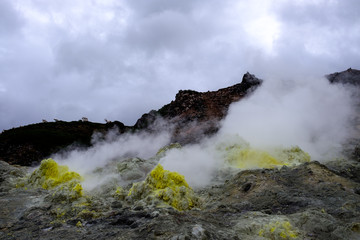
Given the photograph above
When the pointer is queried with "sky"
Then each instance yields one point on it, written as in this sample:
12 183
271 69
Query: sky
118 59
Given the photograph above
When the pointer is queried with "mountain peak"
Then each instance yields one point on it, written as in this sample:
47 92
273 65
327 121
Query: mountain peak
349 76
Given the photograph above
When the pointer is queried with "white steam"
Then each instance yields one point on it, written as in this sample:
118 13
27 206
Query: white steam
196 162
312 114
114 147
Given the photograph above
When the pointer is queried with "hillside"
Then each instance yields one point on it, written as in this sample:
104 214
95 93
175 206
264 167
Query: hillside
30 144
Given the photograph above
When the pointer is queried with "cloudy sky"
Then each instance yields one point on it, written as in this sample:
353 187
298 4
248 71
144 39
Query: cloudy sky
118 59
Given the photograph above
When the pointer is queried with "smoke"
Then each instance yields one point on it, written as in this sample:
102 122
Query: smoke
197 162
310 113
109 148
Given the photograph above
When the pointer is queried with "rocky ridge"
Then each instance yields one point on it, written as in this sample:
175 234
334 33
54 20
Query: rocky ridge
194 114
190 115
349 76
30 144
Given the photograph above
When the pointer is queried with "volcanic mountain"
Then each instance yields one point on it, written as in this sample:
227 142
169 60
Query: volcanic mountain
97 185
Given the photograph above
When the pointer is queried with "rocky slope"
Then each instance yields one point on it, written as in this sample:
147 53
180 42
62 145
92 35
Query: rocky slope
30 144
350 76
308 201
194 114
191 114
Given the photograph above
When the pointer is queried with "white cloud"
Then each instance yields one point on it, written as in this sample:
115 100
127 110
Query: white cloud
119 59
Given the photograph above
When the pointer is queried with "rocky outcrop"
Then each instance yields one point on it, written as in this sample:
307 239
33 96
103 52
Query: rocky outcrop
204 106
193 114
350 76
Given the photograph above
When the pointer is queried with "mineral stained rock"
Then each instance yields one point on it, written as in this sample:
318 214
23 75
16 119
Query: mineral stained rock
168 187
56 177
247 158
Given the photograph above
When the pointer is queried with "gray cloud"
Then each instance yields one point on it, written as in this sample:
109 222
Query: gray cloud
10 22
119 59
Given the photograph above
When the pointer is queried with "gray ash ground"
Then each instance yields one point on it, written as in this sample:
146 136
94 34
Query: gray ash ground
309 201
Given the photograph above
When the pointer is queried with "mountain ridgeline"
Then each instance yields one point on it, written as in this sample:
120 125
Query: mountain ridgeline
30 144
190 116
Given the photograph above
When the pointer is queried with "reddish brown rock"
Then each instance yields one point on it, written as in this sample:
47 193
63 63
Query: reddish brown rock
193 114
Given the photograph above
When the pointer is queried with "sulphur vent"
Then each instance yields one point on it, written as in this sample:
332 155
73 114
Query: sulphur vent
248 158
56 177
165 187
279 230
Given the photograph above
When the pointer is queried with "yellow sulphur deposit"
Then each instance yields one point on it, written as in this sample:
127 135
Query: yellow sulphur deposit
248 158
51 175
165 186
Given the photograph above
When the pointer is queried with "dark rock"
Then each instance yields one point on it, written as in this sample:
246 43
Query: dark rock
193 115
350 76
146 120
200 106
246 187
356 153
30 144
287 191
346 168
197 114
